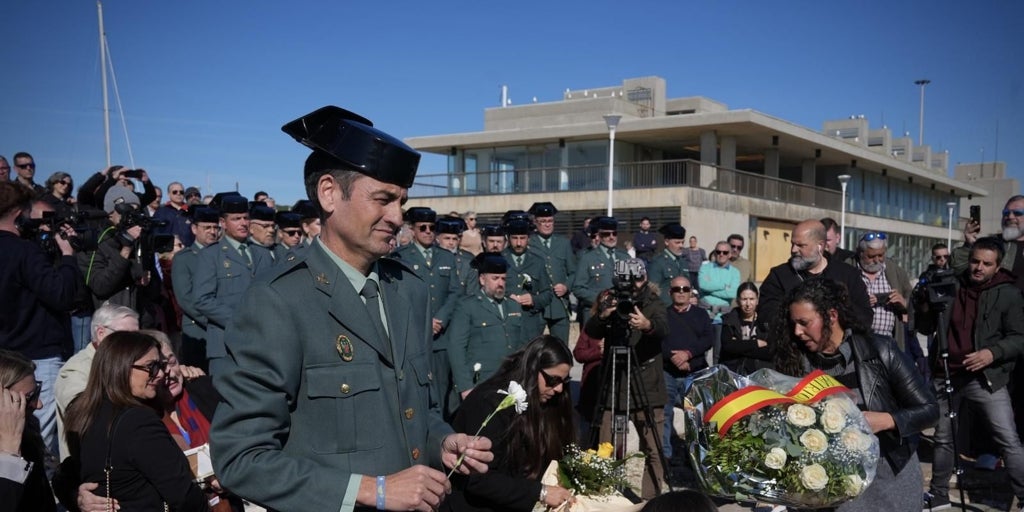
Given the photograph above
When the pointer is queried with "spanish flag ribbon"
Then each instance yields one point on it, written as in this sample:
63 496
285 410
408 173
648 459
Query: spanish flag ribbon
745 401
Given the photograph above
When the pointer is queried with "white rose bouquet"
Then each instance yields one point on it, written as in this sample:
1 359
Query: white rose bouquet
778 439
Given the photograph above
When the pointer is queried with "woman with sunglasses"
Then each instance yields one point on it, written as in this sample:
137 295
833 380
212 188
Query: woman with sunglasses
59 187
23 483
116 426
524 443
744 349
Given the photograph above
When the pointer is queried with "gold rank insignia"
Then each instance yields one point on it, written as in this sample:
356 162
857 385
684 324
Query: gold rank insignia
345 349
322 278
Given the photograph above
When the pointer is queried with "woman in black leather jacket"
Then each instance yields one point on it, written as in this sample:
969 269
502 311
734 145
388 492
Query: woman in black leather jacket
821 332
744 349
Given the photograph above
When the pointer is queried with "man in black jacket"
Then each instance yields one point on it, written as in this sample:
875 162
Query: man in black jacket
37 297
985 335
808 261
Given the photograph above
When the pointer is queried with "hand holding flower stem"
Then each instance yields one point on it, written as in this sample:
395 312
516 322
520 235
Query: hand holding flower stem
515 397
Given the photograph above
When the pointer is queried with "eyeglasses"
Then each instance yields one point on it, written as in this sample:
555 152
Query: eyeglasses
940 256
25 166
553 381
873 236
606 234
65 182
190 196
680 289
33 395
176 192
473 219
153 368
425 228
264 225
1016 213
737 247
292 232
721 253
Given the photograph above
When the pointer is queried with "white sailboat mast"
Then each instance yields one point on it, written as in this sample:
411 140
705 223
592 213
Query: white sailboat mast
103 74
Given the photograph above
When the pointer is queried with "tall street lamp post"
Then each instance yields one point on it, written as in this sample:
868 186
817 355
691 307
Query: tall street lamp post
920 130
949 232
843 180
612 120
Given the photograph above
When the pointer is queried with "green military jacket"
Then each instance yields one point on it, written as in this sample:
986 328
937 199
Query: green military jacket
529 278
183 273
594 273
665 267
560 267
440 276
316 398
479 334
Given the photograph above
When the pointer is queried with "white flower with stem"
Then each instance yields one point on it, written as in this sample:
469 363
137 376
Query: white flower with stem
515 396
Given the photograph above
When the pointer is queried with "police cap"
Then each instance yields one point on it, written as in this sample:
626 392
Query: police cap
490 263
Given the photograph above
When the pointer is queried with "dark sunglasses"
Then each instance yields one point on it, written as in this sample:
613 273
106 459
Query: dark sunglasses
606 234
34 394
873 236
64 182
1016 213
940 257
424 228
552 381
25 166
680 289
176 192
737 247
292 232
722 253
153 368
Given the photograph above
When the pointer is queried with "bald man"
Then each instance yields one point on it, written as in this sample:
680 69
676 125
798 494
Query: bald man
807 261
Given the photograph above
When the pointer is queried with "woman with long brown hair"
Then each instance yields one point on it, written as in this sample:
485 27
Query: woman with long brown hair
524 443
116 426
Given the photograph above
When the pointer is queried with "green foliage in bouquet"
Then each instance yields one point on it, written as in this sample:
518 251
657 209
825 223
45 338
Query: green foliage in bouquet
592 472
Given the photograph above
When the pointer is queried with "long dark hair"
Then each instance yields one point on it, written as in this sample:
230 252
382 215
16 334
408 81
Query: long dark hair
109 379
541 433
824 295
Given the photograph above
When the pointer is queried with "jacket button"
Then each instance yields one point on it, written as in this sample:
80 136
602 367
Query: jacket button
345 388
409 413
415 454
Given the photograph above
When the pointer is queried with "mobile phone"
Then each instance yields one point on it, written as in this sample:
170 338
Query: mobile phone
134 173
882 298
976 213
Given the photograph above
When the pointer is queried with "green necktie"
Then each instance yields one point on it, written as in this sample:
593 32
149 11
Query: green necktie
547 243
501 310
519 260
426 254
245 254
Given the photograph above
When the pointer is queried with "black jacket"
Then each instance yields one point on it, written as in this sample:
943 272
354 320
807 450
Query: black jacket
149 469
37 298
782 278
890 382
739 354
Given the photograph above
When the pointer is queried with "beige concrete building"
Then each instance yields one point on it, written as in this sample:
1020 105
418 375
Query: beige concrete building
717 171
990 176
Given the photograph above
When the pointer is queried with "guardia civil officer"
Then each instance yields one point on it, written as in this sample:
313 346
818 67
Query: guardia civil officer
449 233
328 402
435 267
526 281
205 226
559 265
289 236
224 271
669 263
597 266
486 326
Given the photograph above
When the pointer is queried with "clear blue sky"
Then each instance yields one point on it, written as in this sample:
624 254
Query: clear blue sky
206 85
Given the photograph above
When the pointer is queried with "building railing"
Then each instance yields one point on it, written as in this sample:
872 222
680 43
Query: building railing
653 174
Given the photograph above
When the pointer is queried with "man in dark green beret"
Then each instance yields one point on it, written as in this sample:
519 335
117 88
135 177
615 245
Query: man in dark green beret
329 404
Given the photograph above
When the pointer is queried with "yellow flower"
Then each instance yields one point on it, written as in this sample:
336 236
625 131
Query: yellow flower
604 450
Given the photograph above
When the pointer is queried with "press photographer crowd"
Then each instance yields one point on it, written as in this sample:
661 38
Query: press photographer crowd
165 350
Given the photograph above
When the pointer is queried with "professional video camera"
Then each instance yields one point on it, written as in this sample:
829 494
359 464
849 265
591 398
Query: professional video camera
32 229
149 241
936 287
624 297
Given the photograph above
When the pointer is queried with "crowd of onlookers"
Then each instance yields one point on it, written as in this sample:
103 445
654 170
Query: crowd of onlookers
117 299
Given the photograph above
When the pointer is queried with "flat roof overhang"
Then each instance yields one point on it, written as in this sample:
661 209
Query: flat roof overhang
752 130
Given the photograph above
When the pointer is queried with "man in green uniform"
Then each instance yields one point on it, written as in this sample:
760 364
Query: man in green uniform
328 404
206 228
224 272
526 281
289 236
596 267
485 327
559 265
449 231
669 263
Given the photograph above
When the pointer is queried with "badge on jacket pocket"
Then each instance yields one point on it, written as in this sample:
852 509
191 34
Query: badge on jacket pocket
345 349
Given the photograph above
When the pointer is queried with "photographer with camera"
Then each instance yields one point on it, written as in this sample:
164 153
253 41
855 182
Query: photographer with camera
94 191
635 317
980 335
596 267
122 268
38 295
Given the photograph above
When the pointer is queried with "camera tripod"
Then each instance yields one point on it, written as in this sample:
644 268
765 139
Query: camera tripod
618 361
